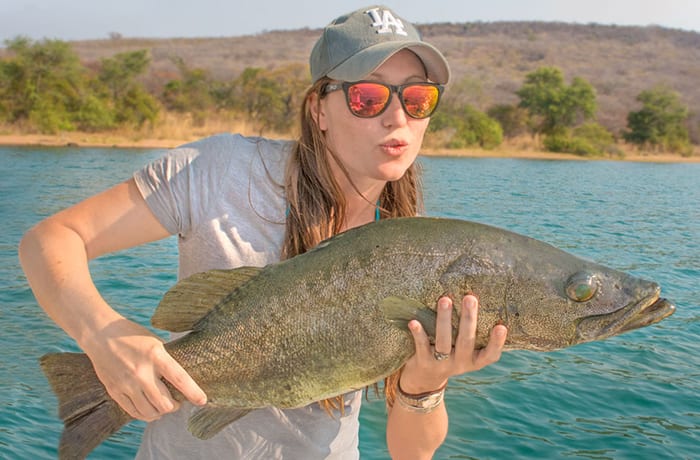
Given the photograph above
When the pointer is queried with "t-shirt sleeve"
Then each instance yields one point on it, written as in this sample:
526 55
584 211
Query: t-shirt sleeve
179 186
165 184
210 180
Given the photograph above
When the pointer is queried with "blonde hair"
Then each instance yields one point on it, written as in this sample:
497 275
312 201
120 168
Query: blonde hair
317 205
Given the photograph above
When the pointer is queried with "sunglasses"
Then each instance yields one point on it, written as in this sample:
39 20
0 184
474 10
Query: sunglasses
367 99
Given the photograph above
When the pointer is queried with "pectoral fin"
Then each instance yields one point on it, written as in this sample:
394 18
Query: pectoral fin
210 419
400 310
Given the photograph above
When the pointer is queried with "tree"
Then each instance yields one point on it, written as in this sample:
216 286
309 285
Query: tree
119 72
269 99
554 105
43 83
6 82
130 101
193 93
660 122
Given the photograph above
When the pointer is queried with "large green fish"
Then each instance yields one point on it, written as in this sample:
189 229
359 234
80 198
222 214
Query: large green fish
335 318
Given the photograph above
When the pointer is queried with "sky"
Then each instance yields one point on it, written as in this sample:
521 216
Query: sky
97 19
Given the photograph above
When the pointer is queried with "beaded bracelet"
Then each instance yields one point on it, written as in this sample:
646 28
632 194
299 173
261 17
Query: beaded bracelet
422 403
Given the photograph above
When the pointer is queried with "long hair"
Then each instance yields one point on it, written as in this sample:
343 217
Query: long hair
317 205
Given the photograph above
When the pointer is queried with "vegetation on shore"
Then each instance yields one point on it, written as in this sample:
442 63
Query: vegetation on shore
46 89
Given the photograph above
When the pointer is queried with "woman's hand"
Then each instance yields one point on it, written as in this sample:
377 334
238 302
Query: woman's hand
130 361
424 372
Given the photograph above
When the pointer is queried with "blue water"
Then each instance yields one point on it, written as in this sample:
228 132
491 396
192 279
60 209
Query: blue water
629 397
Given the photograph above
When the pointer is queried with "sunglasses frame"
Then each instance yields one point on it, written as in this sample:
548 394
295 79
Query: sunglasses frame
398 89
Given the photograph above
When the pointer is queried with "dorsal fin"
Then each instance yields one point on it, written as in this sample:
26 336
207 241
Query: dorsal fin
193 297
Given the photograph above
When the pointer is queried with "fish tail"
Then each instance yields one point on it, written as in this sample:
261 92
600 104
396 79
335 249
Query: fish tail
89 414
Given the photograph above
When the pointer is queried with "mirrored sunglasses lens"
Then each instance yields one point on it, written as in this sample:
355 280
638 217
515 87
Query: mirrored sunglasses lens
367 99
420 100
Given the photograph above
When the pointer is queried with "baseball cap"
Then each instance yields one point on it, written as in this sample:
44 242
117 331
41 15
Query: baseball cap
355 44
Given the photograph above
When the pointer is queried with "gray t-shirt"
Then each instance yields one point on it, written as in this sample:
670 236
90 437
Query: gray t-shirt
224 199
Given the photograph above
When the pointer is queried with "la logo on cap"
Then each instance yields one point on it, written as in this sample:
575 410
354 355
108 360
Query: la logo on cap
383 20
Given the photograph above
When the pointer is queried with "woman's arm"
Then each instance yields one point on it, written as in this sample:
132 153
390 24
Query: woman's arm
128 358
416 435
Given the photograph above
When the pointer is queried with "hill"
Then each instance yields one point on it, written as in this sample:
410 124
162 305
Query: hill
491 59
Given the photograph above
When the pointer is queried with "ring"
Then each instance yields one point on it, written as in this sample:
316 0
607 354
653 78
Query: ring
440 356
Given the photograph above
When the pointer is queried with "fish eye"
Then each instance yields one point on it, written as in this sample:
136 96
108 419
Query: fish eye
581 287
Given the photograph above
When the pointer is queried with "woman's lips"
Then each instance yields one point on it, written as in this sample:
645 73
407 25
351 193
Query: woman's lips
394 147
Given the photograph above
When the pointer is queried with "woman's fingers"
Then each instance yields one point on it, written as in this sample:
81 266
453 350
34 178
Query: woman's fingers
420 338
466 338
494 348
180 379
154 398
469 358
443 329
434 363
138 373
135 402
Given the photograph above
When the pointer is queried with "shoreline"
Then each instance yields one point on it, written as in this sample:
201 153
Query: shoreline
116 141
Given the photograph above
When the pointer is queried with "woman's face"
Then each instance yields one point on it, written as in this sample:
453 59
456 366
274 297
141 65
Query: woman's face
380 149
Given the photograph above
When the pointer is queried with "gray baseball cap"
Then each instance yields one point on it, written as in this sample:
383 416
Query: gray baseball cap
355 44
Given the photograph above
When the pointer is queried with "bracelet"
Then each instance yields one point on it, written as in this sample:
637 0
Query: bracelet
422 403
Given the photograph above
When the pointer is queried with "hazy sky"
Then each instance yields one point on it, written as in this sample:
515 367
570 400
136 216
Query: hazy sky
85 19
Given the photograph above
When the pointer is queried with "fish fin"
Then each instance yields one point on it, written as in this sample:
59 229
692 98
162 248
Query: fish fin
193 297
399 310
89 414
211 419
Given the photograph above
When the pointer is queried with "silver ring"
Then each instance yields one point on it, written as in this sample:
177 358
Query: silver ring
440 356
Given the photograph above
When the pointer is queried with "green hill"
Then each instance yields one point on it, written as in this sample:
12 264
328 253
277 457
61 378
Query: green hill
491 59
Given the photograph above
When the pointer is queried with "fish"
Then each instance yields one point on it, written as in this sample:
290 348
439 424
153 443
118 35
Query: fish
335 319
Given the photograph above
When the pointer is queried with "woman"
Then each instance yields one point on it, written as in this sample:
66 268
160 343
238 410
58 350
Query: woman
237 201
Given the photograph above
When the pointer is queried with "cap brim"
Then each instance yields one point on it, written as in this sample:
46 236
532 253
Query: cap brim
362 64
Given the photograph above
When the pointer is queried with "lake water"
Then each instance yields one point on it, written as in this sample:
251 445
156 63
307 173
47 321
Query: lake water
629 397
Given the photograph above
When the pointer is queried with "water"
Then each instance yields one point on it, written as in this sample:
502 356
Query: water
633 396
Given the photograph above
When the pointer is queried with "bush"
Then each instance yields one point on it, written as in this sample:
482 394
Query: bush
137 107
564 143
50 119
466 127
94 115
590 139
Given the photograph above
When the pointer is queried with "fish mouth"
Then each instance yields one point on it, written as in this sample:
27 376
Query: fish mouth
657 310
649 310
